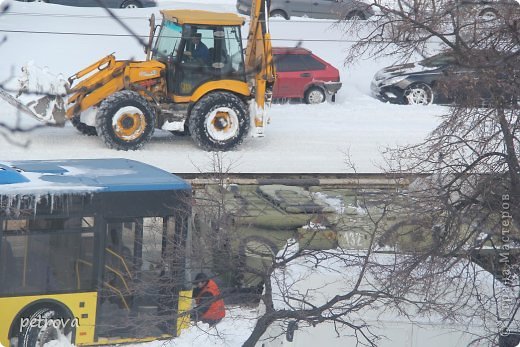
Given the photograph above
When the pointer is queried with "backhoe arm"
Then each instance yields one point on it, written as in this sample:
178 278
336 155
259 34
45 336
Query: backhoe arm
259 61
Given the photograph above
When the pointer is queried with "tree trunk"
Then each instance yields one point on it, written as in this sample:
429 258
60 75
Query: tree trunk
261 326
513 166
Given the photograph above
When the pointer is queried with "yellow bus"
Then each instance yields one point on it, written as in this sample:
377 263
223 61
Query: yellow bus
92 252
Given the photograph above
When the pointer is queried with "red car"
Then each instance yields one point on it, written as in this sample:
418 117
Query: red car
302 75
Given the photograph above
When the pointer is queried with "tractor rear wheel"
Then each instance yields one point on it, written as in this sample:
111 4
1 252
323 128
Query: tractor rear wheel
125 121
219 121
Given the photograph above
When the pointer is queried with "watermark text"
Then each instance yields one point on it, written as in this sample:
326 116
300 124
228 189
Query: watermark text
44 322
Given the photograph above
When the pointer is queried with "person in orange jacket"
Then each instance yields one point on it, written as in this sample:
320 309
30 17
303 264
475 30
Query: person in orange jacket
209 305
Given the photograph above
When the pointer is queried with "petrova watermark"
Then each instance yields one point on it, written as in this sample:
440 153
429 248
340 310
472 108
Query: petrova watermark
44 322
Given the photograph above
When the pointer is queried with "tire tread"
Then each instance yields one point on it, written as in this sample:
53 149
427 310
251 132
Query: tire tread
104 119
203 107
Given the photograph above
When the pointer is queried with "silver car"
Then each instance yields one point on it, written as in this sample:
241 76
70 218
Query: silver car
107 3
328 9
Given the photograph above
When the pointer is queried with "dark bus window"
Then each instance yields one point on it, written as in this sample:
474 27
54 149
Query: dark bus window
152 245
47 256
132 249
120 256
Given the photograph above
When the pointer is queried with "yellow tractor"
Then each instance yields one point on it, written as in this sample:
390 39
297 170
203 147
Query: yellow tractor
196 79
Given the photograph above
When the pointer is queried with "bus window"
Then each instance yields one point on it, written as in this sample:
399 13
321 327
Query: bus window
47 256
152 244
119 251
119 269
8 271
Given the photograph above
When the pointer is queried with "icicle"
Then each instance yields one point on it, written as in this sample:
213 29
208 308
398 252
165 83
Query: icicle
5 204
8 206
35 203
18 207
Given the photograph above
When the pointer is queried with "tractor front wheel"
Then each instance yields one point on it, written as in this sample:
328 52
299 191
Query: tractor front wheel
219 121
125 121
83 128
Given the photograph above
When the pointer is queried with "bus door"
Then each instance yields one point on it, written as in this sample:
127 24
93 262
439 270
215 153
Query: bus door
134 296
118 277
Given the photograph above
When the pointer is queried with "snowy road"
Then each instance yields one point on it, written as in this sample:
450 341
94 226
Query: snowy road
301 138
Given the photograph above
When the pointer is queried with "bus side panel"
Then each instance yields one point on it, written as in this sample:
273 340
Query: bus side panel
82 306
183 320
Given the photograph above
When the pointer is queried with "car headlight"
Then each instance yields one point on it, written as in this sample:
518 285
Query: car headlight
392 80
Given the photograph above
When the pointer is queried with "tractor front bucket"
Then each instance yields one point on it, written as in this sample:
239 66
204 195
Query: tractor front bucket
49 109
40 94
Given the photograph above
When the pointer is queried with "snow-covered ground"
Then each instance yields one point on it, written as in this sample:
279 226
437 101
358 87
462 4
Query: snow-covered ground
301 138
232 331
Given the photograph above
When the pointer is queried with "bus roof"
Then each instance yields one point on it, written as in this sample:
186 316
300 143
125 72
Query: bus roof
84 175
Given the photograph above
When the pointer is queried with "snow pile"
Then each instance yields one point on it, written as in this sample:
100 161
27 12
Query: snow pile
358 210
292 246
335 202
43 92
321 275
19 120
60 342
314 226
318 276
460 304
39 94
38 80
339 205
232 331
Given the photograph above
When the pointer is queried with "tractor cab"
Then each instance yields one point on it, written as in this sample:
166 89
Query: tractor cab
198 47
